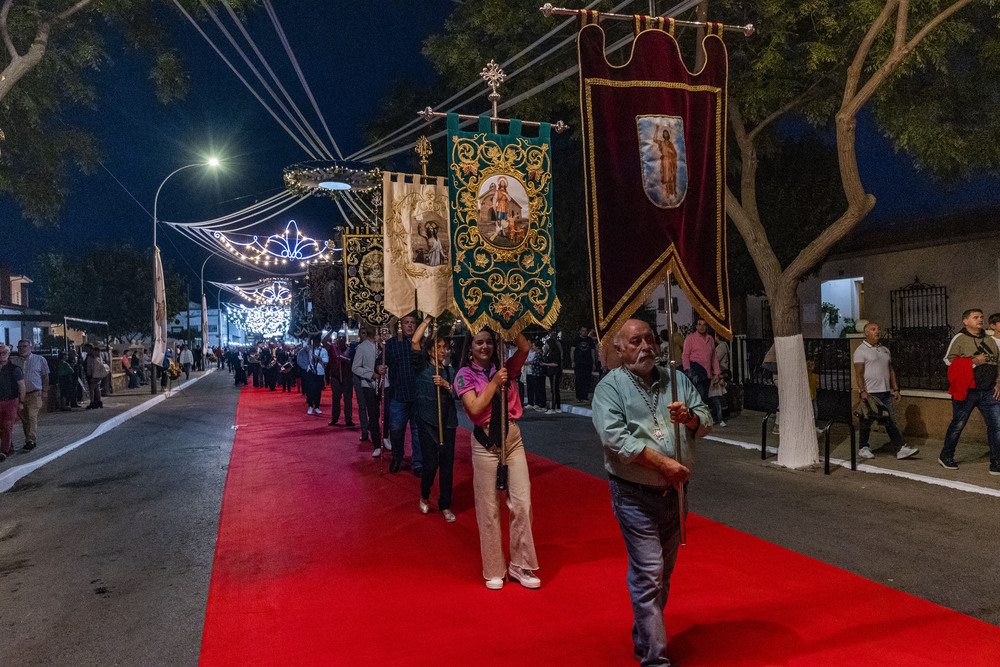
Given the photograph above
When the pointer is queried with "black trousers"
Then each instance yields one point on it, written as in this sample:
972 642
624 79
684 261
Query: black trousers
582 381
342 389
437 457
312 384
368 401
554 378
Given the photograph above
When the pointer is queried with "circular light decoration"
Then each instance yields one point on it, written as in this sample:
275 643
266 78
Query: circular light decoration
261 321
280 249
331 177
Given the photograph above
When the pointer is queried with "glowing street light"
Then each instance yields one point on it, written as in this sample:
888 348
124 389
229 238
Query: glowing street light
211 162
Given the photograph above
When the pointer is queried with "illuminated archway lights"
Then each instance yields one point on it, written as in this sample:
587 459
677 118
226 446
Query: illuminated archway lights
261 321
280 249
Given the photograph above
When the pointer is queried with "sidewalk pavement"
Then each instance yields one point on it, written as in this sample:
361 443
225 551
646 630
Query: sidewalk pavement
744 430
58 429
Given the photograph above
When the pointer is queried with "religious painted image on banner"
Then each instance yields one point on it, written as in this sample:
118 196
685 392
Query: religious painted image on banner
664 160
429 242
503 211
372 271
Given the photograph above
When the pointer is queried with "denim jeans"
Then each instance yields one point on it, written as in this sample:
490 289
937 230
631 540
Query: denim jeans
650 524
399 413
865 425
989 408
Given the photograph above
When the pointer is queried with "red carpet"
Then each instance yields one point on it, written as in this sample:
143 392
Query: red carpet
321 562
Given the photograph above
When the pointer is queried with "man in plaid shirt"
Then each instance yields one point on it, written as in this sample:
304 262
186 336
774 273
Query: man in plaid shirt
403 401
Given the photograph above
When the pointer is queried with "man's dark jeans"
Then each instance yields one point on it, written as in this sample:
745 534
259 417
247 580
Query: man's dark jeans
889 421
989 408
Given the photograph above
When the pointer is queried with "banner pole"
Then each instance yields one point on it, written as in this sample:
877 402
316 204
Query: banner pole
673 396
437 391
548 10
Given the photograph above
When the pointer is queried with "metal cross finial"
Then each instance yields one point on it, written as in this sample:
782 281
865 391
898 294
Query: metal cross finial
423 149
493 76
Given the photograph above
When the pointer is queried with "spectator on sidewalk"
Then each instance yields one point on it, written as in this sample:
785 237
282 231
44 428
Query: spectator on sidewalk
552 362
12 395
698 359
994 326
877 379
94 368
535 380
186 361
972 375
66 375
35 369
584 356
133 379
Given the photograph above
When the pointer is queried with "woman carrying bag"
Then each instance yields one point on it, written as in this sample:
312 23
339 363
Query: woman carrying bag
498 462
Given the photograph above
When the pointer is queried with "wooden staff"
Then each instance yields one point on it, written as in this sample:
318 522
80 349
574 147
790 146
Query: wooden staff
437 391
673 397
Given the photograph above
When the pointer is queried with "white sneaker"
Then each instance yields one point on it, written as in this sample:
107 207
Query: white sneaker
550 412
866 453
494 584
425 506
526 578
722 424
906 452
387 444
377 453
448 515
309 411
318 411
539 408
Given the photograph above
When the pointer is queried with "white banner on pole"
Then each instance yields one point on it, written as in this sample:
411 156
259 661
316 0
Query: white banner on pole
204 329
160 310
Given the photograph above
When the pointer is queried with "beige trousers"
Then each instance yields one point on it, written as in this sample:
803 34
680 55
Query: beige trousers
29 416
484 477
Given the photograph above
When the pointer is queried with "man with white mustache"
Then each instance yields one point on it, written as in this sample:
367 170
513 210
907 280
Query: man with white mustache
648 472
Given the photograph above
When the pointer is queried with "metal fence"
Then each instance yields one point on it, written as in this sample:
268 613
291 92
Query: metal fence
917 357
831 357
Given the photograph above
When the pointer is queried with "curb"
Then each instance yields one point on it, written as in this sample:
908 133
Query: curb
10 477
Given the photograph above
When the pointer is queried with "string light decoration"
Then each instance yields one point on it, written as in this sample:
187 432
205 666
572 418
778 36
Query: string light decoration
260 321
331 178
268 292
280 249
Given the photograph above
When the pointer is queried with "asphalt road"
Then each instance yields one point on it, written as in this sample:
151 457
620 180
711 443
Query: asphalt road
106 553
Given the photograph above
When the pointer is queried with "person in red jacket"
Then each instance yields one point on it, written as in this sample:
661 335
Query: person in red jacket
972 350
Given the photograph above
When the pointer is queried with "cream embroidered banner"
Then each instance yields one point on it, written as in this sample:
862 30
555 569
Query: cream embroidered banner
417 244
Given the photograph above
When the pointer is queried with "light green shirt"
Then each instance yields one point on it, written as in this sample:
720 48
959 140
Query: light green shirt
625 423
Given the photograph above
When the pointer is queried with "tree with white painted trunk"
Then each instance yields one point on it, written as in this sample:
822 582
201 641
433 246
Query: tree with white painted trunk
823 63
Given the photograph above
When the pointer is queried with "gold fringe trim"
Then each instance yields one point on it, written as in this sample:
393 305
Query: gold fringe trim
488 321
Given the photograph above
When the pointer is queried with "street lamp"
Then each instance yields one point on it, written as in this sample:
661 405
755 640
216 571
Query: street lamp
211 162
204 313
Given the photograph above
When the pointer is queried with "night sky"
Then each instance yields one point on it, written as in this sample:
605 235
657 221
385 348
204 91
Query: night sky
351 53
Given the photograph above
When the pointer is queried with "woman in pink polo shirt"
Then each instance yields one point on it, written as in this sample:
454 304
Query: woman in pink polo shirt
479 384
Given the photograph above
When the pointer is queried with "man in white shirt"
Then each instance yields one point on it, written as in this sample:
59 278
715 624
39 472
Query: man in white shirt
364 369
876 378
36 386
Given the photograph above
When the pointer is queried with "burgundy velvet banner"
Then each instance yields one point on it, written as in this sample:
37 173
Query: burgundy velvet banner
654 158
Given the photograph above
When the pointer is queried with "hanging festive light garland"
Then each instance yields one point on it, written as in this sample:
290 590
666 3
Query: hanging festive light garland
262 321
267 292
280 249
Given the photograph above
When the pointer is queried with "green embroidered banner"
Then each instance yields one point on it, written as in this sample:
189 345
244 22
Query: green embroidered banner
365 284
500 186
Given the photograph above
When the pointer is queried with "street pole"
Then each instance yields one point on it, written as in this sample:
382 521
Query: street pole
212 162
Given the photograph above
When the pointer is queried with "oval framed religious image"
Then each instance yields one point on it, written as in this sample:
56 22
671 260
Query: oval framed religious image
503 211
372 271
